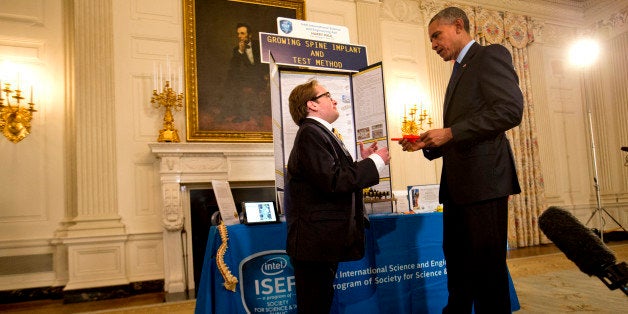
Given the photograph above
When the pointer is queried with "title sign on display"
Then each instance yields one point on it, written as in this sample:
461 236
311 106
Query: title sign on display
311 30
312 53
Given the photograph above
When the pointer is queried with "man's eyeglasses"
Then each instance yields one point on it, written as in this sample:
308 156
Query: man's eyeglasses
327 94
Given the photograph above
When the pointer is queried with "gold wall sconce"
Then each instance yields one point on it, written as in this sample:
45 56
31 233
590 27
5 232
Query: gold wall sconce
15 119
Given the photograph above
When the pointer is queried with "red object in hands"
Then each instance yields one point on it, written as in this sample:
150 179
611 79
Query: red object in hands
411 138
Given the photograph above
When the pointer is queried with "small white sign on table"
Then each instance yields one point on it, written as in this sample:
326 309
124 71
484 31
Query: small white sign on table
424 198
226 204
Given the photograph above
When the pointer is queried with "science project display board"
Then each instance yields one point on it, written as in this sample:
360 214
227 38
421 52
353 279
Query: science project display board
362 109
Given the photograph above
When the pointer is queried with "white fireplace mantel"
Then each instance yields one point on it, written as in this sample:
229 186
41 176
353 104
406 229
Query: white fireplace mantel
185 163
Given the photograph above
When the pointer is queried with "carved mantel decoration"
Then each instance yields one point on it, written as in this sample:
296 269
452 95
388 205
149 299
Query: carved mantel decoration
181 164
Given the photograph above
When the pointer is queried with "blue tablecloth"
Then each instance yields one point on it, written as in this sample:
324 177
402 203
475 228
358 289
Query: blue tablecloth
403 270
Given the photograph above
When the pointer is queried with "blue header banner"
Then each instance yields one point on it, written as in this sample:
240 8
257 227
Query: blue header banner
312 53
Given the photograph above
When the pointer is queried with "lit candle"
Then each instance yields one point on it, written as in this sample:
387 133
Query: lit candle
31 94
168 67
160 79
154 76
180 79
172 79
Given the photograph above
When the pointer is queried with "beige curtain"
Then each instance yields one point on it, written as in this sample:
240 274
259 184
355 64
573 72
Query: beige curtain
513 31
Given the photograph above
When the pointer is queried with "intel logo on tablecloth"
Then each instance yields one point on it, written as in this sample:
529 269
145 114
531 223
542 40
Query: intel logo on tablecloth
275 266
267 283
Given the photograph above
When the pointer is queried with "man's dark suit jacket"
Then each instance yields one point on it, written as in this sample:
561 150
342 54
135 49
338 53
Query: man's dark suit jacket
478 162
323 197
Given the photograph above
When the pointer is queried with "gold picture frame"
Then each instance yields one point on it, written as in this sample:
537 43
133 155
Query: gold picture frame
217 109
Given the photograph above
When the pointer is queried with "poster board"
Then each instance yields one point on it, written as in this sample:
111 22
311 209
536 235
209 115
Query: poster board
361 105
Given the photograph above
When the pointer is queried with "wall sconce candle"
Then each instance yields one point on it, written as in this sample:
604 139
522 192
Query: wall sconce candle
15 119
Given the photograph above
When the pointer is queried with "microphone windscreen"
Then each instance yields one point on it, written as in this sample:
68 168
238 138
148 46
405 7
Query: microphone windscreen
579 244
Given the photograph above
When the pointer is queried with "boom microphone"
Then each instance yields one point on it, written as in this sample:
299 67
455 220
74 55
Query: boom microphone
584 248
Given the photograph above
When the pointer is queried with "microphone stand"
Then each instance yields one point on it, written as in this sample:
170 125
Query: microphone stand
599 209
615 277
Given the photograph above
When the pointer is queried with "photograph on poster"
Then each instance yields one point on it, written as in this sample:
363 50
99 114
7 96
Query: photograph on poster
377 131
364 133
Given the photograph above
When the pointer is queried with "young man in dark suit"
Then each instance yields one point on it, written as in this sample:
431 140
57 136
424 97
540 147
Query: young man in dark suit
323 197
482 102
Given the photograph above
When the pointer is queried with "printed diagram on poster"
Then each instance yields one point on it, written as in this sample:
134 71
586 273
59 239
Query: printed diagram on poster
424 198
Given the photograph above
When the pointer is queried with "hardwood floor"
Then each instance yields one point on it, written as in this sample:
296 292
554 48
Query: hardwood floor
57 306
533 251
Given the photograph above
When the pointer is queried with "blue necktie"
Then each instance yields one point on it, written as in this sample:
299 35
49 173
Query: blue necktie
451 78
453 73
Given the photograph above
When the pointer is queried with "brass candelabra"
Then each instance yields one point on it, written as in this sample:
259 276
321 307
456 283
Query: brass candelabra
170 100
413 122
15 120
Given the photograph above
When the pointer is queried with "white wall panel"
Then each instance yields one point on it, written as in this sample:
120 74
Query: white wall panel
19 49
145 190
163 11
334 12
157 48
25 11
96 264
145 118
145 257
